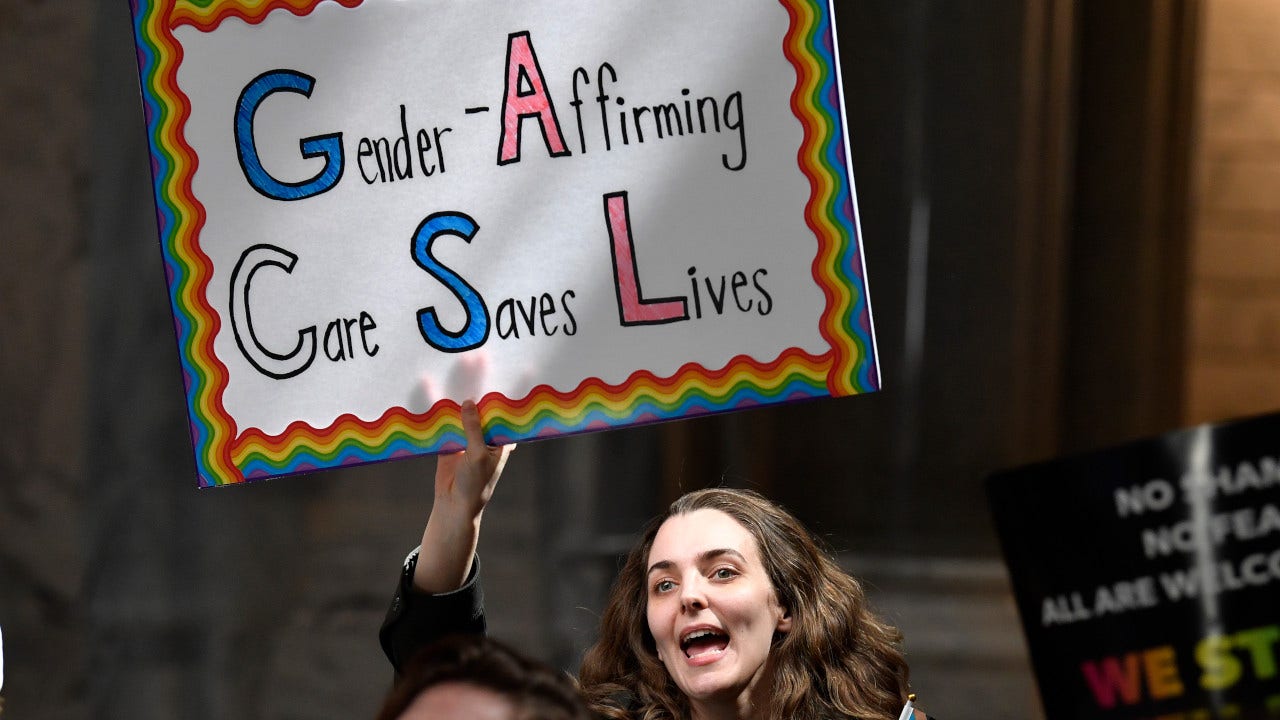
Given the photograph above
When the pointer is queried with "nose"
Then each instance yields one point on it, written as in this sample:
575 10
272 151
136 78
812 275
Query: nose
693 596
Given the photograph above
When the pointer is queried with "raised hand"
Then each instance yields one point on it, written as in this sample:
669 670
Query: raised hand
465 482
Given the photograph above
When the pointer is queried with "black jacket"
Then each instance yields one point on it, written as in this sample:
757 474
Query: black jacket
417 619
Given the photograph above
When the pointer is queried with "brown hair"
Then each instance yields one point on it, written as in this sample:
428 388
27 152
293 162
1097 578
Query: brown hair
537 691
838 660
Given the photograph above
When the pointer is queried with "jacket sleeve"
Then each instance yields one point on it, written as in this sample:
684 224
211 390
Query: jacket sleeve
416 619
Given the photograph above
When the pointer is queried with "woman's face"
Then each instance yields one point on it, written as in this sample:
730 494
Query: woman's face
711 608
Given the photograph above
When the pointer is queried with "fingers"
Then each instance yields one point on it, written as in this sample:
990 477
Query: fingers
447 465
471 425
503 452
474 434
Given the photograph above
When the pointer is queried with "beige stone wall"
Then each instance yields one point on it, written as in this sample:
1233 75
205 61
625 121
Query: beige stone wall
1234 291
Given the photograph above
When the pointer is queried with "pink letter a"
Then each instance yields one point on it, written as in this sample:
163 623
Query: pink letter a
534 101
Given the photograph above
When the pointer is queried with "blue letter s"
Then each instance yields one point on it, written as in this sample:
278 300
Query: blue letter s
476 329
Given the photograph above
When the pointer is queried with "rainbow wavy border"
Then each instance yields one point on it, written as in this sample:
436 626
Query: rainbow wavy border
225 454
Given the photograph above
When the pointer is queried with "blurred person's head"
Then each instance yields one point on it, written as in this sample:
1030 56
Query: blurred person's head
477 678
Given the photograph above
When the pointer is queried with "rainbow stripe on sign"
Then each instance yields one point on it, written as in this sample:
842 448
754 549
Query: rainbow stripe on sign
226 453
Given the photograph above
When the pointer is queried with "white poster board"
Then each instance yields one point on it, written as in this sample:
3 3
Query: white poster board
579 217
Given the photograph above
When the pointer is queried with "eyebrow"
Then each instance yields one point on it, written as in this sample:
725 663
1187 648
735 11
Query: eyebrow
702 558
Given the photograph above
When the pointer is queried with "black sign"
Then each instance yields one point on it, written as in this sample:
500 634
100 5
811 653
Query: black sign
1148 576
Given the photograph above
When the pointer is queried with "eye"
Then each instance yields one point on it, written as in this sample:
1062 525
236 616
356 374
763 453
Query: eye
664 586
724 573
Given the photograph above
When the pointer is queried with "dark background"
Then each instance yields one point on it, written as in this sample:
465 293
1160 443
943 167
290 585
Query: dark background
1036 190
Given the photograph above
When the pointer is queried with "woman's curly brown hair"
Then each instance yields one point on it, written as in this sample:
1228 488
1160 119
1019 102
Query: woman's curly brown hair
838 660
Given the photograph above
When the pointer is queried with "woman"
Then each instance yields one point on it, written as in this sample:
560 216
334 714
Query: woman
726 609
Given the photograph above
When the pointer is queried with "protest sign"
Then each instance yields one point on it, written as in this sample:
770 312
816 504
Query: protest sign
581 215
1148 576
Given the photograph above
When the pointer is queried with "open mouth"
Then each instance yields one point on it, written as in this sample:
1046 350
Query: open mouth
704 643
